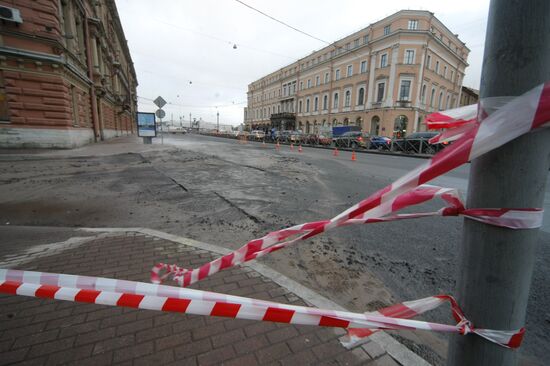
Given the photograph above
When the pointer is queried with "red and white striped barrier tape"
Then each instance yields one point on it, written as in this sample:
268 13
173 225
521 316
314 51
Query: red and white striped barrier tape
521 115
105 291
511 218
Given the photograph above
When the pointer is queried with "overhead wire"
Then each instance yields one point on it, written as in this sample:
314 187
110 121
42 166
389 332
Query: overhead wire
281 22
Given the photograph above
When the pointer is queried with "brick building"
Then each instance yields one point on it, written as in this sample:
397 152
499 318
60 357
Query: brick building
384 78
66 75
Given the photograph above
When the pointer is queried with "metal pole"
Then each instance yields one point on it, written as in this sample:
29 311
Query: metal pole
496 264
218 121
161 133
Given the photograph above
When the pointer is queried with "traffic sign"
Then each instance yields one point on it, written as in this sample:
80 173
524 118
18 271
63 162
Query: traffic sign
159 102
160 113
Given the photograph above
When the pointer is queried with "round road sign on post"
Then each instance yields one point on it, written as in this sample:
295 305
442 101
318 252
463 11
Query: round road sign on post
160 113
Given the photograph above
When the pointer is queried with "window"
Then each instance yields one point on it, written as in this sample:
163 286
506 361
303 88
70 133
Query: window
409 57
356 43
413 24
335 104
387 30
448 101
361 96
452 75
307 105
4 111
363 67
284 90
440 100
326 77
301 85
380 94
432 98
445 71
429 62
347 98
350 70
337 76
423 94
437 67
405 90
316 104
308 83
325 102
348 46
317 80
300 107
365 39
384 60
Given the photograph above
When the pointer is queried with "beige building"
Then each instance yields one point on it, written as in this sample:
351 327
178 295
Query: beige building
468 96
384 78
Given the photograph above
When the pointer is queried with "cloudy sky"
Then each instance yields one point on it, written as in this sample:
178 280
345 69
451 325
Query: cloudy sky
184 50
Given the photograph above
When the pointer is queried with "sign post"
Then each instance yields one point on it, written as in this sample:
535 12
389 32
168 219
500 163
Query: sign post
160 102
161 114
147 127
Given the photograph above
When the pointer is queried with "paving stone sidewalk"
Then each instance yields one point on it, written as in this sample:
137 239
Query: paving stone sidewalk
48 332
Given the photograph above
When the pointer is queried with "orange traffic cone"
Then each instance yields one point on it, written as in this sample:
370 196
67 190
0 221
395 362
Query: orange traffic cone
353 157
300 148
335 152
292 146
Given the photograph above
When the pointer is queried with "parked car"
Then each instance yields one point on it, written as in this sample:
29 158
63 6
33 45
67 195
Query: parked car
257 135
417 143
324 140
352 139
243 134
296 137
380 143
282 136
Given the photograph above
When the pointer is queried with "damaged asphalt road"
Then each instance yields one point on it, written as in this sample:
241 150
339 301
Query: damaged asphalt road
223 192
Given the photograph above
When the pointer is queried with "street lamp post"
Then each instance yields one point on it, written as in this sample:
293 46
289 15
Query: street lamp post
218 121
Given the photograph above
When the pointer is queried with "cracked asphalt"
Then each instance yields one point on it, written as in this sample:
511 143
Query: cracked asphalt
223 192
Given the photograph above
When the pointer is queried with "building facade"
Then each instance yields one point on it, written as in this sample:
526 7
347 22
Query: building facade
384 78
468 96
66 75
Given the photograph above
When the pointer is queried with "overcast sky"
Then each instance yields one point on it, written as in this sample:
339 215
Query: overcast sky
184 50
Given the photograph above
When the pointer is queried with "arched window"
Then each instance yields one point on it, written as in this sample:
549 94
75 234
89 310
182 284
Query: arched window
307 126
448 101
316 104
440 102
375 125
347 99
335 104
346 122
400 126
325 102
361 96
423 94
334 122
359 122
432 98
307 105
300 107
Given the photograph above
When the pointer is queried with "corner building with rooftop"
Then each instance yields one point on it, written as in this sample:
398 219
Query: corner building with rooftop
384 78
